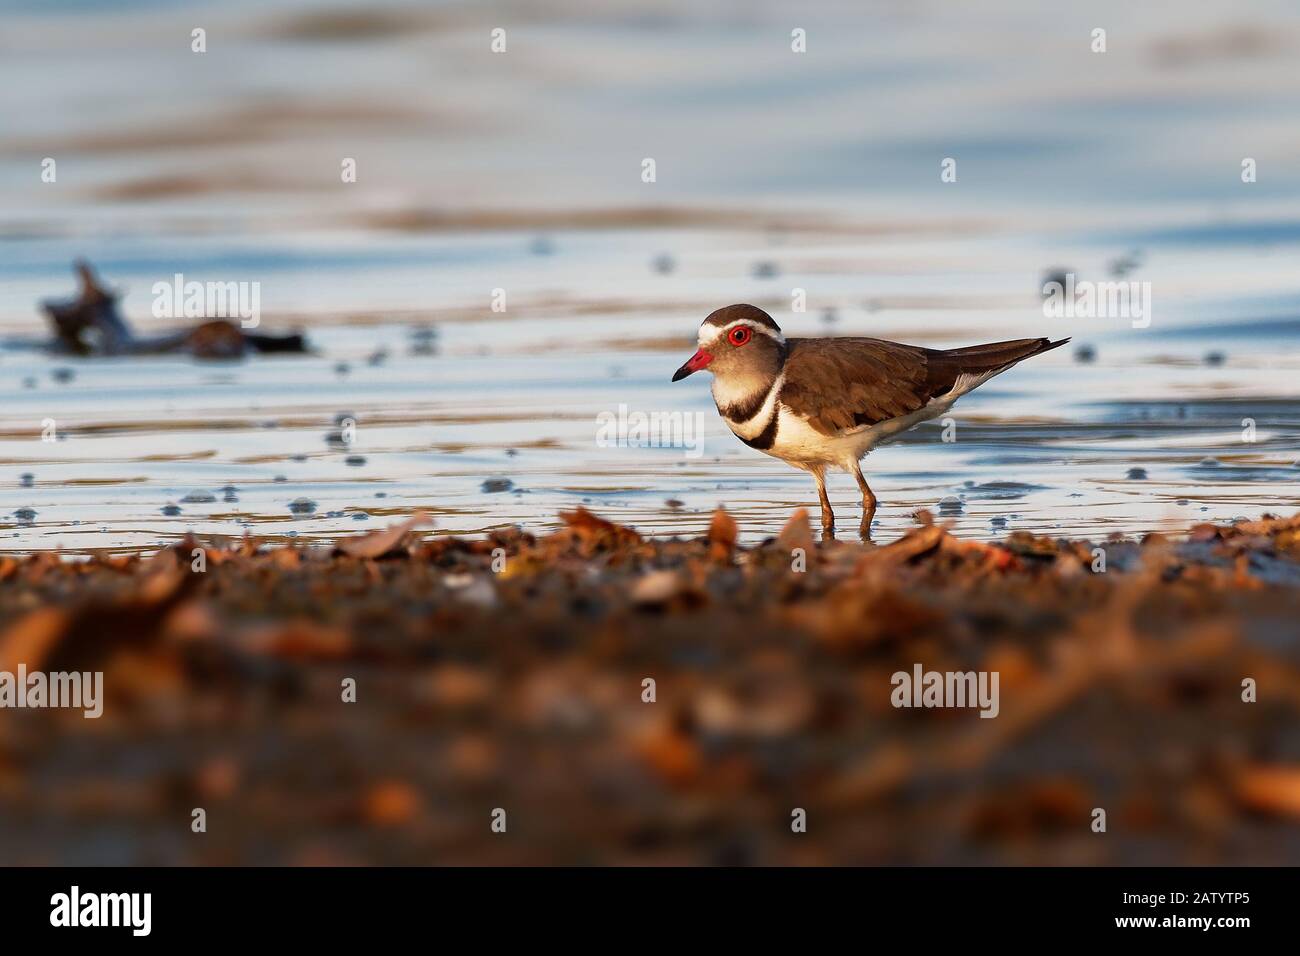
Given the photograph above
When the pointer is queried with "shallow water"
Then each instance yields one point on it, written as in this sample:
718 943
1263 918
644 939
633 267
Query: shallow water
517 397
488 419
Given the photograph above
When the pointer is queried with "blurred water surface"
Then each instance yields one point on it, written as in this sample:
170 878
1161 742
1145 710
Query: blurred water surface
521 171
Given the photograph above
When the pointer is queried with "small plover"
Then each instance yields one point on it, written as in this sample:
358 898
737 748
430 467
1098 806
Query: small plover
826 402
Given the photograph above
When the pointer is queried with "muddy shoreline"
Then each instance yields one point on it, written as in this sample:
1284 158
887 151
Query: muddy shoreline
509 673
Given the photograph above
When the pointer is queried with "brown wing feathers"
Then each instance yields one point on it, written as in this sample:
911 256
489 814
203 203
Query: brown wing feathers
842 383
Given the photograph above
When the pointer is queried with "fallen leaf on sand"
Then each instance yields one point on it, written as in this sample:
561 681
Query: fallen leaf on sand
376 544
596 532
31 638
1271 790
722 536
797 533
391 803
300 640
672 755
910 546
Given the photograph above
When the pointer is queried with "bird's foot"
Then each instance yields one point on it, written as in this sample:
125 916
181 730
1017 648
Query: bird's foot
828 526
868 516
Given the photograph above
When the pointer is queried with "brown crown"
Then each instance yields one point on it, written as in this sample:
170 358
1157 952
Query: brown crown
725 316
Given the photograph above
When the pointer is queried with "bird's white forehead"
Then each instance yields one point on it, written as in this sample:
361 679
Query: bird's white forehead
709 334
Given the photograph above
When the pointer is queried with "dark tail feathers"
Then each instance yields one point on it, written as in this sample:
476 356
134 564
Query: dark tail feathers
975 358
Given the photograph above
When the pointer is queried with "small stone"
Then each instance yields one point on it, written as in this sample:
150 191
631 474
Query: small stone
657 587
475 589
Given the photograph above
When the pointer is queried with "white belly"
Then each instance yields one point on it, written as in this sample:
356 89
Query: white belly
801 445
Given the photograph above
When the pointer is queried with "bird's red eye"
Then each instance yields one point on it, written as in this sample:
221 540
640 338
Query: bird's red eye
739 335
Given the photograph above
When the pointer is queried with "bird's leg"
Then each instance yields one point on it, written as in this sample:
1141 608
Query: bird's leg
868 502
828 516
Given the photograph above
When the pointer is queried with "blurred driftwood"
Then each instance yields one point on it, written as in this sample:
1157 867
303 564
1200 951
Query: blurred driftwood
91 324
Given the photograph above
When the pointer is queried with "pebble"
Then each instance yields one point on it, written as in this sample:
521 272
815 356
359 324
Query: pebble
657 587
473 589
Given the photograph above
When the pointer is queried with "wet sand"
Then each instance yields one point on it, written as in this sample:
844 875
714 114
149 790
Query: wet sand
509 673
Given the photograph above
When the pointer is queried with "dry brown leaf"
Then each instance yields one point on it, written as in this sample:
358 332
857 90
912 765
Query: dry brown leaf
30 639
797 533
376 544
722 536
300 640
1271 790
910 546
390 803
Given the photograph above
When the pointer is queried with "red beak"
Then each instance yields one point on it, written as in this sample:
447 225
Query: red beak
693 364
